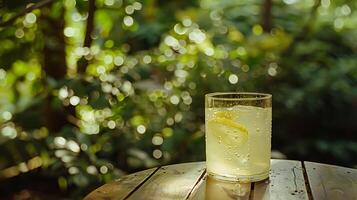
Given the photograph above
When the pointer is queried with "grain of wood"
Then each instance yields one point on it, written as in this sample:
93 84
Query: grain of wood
170 182
331 182
121 188
286 181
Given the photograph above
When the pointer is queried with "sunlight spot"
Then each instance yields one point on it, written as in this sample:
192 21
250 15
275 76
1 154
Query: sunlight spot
178 117
128 21
257 29
103 169
272 69
74 100
30 76
34 163
171 41
241 51
127 86
345 10
118 60
76 17
23 167
187 101
108 59
157 140
100 69
8 131
137 5
141 129
197 36
69 32
338 23
187 22
73 170
60 153
215 15
60 141
84 147
66 158
111 124
174 99
73 146
181 73
157 153
192 85
233 79
170 121
209 51
92 170
6 115
19 33
147 59
63 93
179 29
30 18
129 9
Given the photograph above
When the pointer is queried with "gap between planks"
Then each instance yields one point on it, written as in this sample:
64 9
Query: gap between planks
139 185
197 184
307 184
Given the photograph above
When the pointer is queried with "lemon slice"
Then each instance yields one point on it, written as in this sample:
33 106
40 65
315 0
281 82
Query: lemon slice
227 131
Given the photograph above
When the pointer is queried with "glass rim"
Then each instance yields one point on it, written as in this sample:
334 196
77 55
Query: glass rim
261 96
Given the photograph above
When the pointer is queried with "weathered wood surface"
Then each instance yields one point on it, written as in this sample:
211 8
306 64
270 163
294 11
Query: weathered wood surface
171 182
120 188
286 181
331 182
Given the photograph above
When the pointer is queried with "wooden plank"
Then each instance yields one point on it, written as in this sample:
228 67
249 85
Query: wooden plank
331 182
171 182
286 181
120 188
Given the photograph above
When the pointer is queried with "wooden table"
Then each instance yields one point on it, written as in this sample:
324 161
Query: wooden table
288 180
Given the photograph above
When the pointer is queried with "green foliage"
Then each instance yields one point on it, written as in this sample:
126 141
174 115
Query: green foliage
140 102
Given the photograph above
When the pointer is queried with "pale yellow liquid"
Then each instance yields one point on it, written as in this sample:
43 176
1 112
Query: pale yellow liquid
238 143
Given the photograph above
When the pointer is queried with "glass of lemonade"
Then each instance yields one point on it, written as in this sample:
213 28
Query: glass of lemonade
238 136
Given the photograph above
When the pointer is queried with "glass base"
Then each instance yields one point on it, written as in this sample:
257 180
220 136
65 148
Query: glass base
241 179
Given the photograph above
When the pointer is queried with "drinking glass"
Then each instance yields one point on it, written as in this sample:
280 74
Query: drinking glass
238 135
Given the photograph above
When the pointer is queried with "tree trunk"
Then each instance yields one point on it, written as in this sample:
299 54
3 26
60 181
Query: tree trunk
54 64
267 15
83 63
